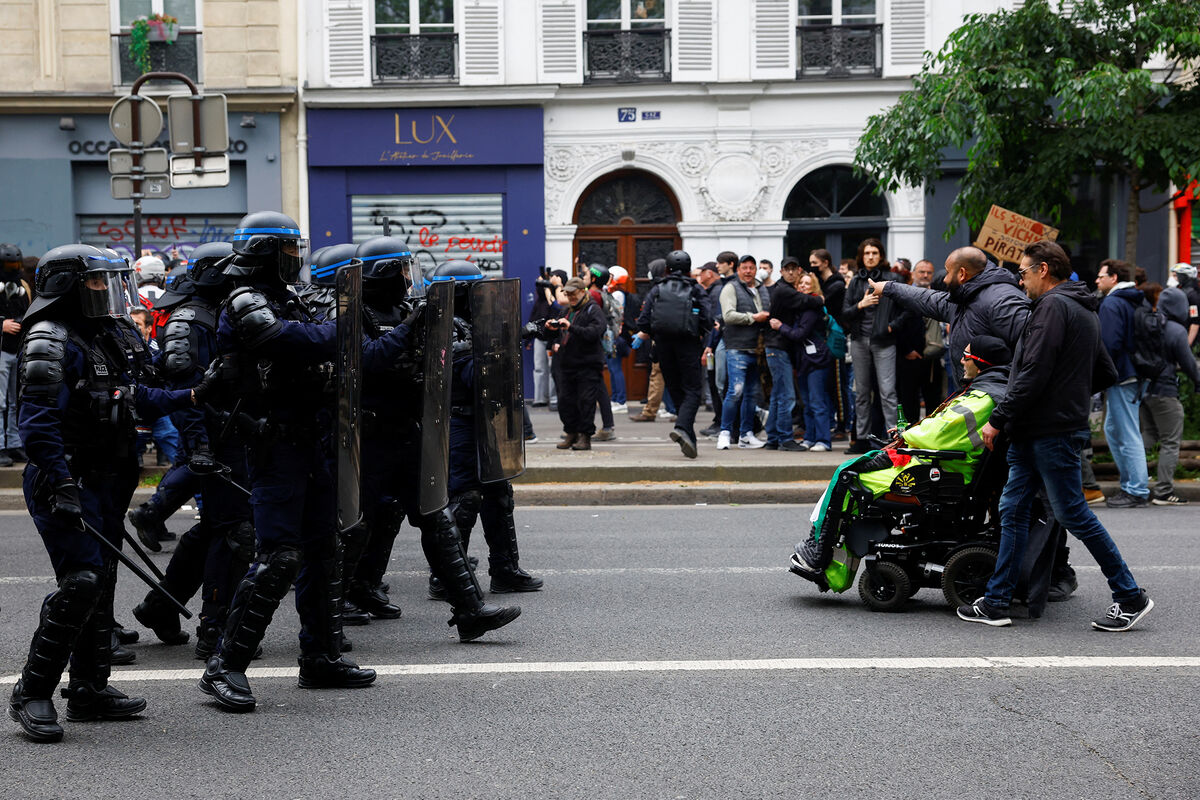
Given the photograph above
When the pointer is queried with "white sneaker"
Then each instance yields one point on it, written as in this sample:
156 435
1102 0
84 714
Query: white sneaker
620 408
723 441
819 447
749 442
664 414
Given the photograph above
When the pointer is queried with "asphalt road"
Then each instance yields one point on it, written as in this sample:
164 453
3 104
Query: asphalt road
671 655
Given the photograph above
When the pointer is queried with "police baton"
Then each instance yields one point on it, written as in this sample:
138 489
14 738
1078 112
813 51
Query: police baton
222 471
135 568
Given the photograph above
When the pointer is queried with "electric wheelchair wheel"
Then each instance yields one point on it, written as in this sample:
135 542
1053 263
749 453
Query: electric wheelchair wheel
885 588
965 577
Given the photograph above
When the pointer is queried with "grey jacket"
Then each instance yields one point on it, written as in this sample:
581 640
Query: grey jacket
991 303
1173 304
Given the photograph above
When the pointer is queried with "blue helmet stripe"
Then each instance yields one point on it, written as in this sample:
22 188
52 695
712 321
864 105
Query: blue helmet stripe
328 270
433 278
401 254
246 233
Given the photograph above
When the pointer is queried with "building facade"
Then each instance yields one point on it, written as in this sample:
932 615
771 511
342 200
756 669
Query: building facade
66 64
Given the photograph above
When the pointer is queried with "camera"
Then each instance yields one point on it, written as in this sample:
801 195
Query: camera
542 283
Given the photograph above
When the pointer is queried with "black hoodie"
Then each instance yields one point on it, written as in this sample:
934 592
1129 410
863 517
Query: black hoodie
1059 363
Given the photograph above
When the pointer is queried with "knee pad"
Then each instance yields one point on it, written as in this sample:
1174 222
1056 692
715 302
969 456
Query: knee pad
240 539
81 587
465 506
277 571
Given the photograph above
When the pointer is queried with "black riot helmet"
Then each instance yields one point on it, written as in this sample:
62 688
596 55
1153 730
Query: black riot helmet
269 247
600 274
678 263
206 270
178 287
388 266
325 262
10 263
462 273
98 283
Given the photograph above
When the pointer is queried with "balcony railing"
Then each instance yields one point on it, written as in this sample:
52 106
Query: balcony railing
839 51
181 55
420 57
641 56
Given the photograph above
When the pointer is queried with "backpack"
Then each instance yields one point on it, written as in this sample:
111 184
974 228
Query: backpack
835 337
633 310
674 312
612 315
1149 343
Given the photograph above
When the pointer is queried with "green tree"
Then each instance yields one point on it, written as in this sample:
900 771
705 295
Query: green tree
1037 98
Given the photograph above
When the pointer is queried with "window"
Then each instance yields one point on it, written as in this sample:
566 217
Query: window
625 15
414 16
414 41
837 12
182 54
626 41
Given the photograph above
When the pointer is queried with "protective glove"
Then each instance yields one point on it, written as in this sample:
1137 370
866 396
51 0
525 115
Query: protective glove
66 503
637 342
202 462
212 376
414 316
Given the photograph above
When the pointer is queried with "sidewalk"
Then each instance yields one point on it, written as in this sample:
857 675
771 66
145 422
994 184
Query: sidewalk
642 466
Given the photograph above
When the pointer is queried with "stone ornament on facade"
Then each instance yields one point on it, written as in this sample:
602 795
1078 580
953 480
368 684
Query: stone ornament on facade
733 185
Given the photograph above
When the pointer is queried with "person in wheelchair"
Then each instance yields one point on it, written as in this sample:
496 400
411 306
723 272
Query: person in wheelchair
954 426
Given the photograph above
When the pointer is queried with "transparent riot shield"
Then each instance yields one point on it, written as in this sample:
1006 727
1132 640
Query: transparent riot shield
499 398
435 402
349 396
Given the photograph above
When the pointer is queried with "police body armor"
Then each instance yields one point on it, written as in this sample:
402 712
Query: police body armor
99 421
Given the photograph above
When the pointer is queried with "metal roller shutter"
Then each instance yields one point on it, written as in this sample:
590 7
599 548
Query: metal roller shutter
437 227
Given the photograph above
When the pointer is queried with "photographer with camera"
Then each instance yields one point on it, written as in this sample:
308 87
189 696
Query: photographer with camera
578 365
547 304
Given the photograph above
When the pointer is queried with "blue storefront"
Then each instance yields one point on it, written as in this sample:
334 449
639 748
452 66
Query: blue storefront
454 183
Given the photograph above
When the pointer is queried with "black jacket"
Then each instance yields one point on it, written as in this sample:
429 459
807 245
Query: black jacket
700 302
580 345
872 323
834 290
786 306
1060 362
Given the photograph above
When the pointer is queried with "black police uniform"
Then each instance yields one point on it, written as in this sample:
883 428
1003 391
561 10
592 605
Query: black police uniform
81 381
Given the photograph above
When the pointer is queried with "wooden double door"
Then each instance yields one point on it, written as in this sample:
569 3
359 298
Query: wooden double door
633 247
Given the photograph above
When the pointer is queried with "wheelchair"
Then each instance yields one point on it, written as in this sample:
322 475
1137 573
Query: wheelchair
932 528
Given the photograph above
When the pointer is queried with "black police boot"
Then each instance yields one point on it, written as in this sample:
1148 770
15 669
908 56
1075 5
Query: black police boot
372 600
120 654
353 615
208 635
158 615
443 549
464 508
125 635
254 604
437 591
323 672
35 714
148 523
500 531
86 703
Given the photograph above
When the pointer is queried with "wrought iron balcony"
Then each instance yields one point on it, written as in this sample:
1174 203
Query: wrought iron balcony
641 56
421 57
181 55
839 51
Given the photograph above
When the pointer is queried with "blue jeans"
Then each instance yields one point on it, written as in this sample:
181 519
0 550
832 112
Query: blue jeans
1122 428
617 375
783 396
166 438
10 439
1052 461
817 408
741 375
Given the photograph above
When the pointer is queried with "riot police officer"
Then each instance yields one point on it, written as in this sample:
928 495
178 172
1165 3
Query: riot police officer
276 367
318 293
393 401
214 553
470 497
82 371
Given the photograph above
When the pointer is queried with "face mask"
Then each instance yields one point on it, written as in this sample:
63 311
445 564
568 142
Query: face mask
761 275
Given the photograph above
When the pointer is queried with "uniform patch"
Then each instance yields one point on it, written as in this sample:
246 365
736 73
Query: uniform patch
935 474
101 369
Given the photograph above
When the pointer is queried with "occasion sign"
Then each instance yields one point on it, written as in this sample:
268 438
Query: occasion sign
424 137
1005 234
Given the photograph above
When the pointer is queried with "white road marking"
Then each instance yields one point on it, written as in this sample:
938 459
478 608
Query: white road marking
416 573
723 665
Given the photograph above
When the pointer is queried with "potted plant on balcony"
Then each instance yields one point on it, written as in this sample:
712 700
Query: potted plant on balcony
143 30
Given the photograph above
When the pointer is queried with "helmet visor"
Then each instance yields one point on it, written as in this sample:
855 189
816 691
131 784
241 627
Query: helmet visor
104 294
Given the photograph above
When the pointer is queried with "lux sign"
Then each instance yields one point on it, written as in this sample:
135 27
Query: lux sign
436 121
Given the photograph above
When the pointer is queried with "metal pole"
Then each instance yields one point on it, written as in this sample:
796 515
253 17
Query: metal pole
137 226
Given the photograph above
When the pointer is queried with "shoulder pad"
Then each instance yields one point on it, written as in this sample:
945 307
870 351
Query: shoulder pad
177 346
253 318
183 314
43 352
